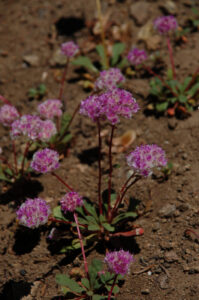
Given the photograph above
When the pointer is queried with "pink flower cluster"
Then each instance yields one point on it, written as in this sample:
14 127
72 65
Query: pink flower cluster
45 161
136 56
33 213
69 49
70 201
109 79
165 24
8 114
50 108
33 128
119 262
146 157
111 105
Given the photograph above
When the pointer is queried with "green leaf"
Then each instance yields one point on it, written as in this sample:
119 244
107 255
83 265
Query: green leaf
93 227
102 218
85 283
42 89
91 209
101 51
2 175
173 99
57 213
182 98
118 48
9 171
97 297
123 63
161 106
65 280
66 138
85 62
94 268
108 227
173 84
186 83
123 216
32 93
193 90
91 219
170 74
116 289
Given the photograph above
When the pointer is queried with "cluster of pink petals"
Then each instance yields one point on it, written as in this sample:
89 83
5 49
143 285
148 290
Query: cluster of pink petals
33 213
8 114
165 24
45 161
50 108
48 129
109 79
119 262
33 128
146 157
70 201
69 49
111 105
136 56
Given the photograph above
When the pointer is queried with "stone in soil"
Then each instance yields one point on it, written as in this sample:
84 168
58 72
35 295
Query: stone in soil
167 210
140 12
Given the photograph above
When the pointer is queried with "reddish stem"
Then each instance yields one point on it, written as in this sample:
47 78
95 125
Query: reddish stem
82 245
99 166
110 170
122 193
192 80
171 56
5 101
192 231
160 78
110 293
15 157
73 116
61 180
63 222
28 144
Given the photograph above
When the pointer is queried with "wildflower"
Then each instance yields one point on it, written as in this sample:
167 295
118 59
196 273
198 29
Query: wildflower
111 105
165 24
45 160
50 108
146 157
119 261
69 49
8 114
48 129
33 213
109 79
136 56
27 125
70 201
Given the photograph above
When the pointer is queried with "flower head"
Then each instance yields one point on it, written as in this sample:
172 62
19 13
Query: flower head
8 114
45 160
48 129
146 157
50 108
109 79
136 56
27 125
165 24
119 261
69 49
111 105
33 213
70 201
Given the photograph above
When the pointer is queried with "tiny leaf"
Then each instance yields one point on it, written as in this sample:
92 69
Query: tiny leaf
65 280
118 48
85 62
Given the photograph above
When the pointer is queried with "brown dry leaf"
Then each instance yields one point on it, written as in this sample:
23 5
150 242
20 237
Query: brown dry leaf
97 26
126 139
77 272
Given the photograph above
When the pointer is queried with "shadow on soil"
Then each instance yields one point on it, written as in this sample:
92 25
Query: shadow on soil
68 26
21 190
15 290
31 238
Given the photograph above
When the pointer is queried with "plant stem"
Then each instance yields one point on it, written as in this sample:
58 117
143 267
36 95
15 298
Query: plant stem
110 170
98 3
28 144
192 80
122 193
171 56
63 222
99 166
61 180
73 116
15 157
160 78
110 293
82 245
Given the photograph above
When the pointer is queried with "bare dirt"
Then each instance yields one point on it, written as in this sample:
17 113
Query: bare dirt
166 260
